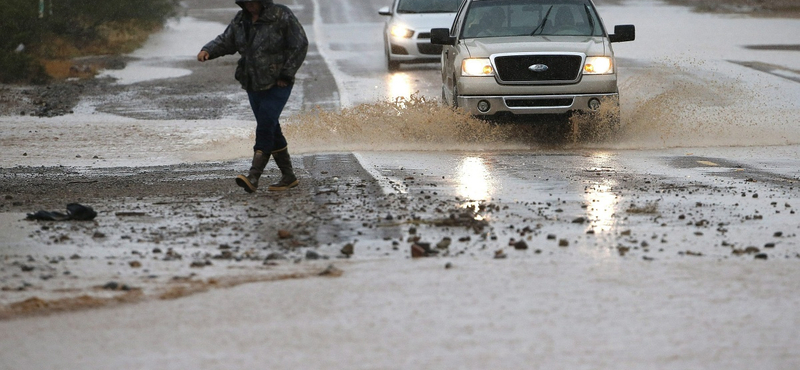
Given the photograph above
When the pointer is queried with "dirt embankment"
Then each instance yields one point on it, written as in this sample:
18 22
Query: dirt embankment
61 95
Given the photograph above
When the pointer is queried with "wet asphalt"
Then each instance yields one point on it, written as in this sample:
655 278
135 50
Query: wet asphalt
159 227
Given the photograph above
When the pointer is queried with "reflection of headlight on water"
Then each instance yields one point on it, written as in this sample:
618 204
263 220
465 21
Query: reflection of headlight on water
603 203
399 86
474 179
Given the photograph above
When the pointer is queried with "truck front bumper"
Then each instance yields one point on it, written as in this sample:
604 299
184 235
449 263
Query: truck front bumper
535 104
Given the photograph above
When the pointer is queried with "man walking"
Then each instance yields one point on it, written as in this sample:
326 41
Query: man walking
272 45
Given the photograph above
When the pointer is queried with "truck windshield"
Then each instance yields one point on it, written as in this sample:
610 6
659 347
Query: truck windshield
499 18
428 6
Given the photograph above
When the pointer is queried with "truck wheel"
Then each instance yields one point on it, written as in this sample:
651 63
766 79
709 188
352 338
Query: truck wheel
593 127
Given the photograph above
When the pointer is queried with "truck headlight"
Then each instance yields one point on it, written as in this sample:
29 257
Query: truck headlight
400 31
598 66
476 67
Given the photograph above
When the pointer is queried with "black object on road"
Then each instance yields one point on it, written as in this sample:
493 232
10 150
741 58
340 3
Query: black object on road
75 211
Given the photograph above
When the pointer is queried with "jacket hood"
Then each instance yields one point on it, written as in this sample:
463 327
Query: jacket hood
263 2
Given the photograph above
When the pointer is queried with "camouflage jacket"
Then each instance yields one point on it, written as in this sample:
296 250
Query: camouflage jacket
272 48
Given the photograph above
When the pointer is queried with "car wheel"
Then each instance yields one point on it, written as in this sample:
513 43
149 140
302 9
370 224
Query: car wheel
391 65
455 96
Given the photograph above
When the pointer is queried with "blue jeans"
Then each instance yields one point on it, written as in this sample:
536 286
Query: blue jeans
267 106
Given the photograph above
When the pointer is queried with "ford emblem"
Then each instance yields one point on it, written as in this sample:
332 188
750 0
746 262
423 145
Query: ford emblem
539 68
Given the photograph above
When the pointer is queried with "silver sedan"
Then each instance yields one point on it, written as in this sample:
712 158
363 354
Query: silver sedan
407 30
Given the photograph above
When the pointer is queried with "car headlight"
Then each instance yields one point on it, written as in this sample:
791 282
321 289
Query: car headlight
476 67
400 31
598 66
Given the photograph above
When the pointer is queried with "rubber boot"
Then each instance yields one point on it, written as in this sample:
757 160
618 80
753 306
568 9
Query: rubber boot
284 162
250 182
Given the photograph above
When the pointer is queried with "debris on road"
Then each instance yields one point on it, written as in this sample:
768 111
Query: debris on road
75 212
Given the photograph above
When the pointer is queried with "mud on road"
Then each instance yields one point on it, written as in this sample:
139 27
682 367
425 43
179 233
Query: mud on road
167 231
160 232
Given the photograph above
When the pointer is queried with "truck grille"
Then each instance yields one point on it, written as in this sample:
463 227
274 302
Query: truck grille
560 68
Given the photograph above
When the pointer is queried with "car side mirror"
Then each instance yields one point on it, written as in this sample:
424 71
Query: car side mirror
441 36
384 11
622 33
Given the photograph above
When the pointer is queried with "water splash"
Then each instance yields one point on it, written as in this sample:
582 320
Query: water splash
670 105
413 123
666 104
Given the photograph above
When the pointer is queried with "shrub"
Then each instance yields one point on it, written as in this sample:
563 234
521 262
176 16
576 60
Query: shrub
20 67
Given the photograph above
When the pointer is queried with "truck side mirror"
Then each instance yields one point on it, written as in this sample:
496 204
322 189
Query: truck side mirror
441 36
622 33
385 11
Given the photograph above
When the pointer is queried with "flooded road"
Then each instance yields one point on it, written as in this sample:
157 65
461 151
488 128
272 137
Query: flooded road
686 219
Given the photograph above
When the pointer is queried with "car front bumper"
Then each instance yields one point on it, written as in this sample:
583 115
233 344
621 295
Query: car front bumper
414 49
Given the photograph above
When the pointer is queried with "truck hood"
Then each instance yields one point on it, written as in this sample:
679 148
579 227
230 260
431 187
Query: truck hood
485 47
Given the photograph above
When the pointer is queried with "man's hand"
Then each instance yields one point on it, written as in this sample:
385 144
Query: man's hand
284 81
202 56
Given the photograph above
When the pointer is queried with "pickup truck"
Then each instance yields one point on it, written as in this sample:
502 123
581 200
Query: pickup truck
524 58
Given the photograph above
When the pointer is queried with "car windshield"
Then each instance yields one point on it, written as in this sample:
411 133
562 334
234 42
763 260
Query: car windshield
428 6
499 18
